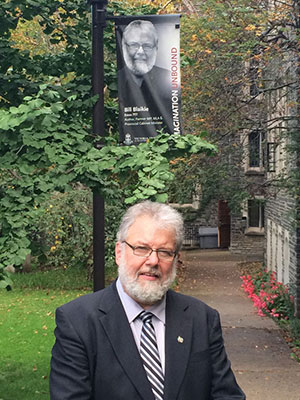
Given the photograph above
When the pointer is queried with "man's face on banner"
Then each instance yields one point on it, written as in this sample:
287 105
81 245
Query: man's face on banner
140 49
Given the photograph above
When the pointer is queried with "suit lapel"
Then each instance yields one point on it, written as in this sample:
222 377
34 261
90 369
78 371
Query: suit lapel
117 328
178 344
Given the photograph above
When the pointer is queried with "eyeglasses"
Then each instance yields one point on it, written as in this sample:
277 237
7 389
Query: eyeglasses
133 46
144 251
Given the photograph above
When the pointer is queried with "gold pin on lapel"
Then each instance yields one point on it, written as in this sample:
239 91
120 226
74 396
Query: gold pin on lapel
180 339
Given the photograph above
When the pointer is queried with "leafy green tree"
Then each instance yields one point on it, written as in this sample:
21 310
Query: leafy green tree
46 145
232 55
217 42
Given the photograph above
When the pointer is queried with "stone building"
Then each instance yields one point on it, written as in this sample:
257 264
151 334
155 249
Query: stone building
268 226
282 210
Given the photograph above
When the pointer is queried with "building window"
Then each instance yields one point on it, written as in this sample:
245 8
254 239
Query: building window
256 214
256 153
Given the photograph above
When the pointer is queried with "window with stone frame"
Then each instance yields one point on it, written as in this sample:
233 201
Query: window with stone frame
256 214
256 148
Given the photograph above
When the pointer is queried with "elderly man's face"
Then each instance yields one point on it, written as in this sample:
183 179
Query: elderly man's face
139 50
146 279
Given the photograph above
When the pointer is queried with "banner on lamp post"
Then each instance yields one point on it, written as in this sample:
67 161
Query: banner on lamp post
148 57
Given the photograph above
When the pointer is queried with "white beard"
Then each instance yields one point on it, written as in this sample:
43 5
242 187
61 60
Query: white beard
140 67
147 292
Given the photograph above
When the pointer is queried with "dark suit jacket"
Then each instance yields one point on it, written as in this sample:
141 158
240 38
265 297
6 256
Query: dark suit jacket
155 93
95 356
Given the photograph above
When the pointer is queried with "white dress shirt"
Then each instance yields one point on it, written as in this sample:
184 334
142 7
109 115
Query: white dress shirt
133 309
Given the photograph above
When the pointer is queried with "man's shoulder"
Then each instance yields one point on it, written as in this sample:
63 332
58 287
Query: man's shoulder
123 71
183 300
159 71
90 301
159 80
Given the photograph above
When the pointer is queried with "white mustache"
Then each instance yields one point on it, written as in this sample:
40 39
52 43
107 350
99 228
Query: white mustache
149 271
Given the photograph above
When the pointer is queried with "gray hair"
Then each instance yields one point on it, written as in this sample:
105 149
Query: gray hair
165 216
141 24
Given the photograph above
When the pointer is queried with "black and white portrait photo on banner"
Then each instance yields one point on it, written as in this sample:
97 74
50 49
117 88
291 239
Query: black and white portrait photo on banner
148 56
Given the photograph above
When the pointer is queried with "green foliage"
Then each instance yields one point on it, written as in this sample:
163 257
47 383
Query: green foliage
211 178
216 43
46 146
226 51
66 28
63 235
5 280
113 215
295 330
34 158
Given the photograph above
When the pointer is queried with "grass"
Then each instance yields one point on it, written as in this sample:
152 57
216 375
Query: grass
59 278
27 322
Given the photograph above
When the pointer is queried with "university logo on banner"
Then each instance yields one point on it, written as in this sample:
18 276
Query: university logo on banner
148 56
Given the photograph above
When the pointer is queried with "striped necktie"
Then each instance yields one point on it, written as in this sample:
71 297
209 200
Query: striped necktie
150 356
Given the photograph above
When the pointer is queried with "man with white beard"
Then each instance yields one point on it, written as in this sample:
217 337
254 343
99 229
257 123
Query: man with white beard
142 84
139 46
137 339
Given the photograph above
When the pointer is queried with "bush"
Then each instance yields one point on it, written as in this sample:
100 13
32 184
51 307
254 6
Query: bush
295 330
63 238
113 215
269 296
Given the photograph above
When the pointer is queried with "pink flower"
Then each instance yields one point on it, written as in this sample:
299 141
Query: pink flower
270 292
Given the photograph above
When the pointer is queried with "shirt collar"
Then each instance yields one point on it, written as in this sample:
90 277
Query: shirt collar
133 309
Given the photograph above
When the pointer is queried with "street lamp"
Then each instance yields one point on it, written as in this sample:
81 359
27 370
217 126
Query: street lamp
98 24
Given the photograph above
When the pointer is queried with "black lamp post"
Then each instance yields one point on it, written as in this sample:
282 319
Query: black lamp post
98 25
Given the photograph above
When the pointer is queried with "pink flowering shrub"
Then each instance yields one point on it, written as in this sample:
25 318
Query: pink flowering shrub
269 296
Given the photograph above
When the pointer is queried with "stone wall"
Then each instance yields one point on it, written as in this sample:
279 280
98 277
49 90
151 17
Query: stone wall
193 220
283 243
248 244
243 240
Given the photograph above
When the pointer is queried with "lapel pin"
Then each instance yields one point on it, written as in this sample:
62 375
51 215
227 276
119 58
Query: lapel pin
180 339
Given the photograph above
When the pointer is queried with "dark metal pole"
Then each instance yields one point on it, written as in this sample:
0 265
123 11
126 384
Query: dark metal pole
98 25
98 242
